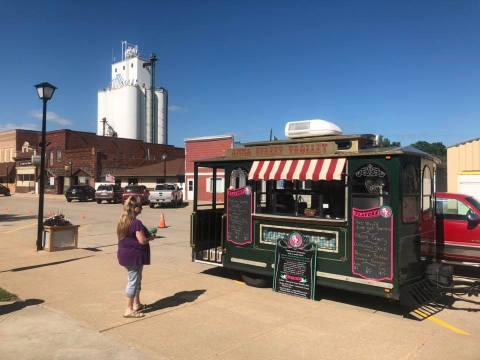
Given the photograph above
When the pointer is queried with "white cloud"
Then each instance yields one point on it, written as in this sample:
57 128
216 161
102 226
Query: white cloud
177 108
12 126
52 117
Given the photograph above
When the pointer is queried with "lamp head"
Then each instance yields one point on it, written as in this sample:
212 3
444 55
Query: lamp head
45 90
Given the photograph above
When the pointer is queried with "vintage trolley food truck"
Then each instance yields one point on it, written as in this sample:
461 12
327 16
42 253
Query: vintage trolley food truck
366 208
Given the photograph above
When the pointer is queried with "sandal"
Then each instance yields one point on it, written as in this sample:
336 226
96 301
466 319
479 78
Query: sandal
140 307
134 315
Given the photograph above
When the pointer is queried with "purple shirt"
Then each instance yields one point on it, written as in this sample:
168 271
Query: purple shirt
130 251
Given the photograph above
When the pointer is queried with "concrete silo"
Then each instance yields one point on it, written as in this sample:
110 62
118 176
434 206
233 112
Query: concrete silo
127 108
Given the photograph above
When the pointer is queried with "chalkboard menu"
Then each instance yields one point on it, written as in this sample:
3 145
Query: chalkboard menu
295 267
239 216
372 243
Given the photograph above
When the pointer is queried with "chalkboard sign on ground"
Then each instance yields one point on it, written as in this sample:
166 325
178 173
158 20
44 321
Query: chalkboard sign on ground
239 216
295 267
372 243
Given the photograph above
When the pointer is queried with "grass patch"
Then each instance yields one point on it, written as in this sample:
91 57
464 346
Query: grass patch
6 296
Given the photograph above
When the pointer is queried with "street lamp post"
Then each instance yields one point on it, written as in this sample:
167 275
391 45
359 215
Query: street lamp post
45 92
164 158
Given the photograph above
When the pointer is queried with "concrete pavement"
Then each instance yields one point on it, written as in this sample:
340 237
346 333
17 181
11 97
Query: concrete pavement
197 312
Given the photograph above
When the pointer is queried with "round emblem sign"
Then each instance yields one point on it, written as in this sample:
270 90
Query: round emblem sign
295 240
386 211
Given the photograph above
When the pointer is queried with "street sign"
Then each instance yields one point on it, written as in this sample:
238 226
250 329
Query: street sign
36 159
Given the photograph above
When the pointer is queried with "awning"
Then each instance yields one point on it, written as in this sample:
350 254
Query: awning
308 169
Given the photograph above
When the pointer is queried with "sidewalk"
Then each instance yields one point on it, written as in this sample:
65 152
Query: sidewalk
35 196
29 330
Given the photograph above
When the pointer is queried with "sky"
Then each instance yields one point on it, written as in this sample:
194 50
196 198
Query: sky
409 70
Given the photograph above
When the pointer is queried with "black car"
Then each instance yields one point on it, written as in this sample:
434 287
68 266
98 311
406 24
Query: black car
80 192
4 190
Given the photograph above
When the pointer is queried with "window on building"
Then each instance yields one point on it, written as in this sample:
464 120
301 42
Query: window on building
131 65
115 69
220 185
410 194
51 158
190 185
123 67
370 187
59 155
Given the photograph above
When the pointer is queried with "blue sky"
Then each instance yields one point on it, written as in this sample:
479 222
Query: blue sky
409 70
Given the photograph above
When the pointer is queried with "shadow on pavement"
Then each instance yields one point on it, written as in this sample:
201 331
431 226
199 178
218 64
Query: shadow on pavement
223 273
16 217
179 298
31 267
18 305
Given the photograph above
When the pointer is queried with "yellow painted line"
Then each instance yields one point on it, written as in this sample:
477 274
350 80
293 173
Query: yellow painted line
20 228
239 282
441 323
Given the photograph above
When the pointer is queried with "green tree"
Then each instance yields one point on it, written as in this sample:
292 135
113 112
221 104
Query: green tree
387 143
436 149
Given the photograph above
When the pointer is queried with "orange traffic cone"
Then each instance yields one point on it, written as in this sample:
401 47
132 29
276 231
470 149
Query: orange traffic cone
162 224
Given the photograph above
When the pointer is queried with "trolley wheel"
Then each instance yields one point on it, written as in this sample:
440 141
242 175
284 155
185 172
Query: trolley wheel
151 206
69 200
256 280
99 201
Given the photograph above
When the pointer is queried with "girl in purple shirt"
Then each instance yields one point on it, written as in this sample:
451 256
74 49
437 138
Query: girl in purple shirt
133 252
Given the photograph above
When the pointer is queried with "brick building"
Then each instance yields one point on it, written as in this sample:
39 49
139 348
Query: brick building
202 148
12 144
78 157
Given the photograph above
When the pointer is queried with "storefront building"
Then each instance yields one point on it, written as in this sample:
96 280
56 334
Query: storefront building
78 157
202 148
463 170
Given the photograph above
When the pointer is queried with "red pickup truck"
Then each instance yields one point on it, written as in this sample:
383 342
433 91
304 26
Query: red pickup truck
457 229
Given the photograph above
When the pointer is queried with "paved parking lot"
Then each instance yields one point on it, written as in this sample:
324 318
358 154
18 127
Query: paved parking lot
197 312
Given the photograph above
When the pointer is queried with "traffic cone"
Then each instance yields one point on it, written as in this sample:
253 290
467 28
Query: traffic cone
162 224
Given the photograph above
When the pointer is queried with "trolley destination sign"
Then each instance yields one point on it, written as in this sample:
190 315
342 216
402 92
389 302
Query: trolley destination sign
282 151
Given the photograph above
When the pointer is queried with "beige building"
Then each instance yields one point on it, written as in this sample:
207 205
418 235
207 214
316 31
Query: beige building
8 146
463 161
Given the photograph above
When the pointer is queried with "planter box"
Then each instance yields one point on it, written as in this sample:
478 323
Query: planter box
60 237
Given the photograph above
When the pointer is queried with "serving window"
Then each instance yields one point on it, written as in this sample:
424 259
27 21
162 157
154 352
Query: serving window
304 188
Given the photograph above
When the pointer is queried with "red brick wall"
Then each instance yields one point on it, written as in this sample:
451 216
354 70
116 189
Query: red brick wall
200 150
98 155
205 149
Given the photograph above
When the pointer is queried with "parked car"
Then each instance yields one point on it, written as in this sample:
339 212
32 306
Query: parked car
109 193
136 190
166 194
4 190
80 192
457 228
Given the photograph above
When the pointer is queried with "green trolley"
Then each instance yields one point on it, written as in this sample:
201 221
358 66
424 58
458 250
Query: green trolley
366 208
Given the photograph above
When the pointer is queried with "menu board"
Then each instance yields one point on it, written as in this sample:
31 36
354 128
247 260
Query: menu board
239 216
372 243
295 267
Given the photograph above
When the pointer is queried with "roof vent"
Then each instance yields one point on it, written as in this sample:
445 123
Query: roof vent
309 128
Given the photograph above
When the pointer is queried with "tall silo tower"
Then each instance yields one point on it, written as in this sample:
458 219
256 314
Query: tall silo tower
131 107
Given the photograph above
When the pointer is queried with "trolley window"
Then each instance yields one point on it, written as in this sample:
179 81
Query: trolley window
310 187
411 190
370 187
426 189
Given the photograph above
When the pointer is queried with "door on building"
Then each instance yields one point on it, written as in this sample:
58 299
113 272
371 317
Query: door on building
190 189
61 183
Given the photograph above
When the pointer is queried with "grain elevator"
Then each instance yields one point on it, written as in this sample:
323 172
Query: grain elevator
131 106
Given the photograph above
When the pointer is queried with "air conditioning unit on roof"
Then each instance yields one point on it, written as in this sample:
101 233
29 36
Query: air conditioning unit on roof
310 128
